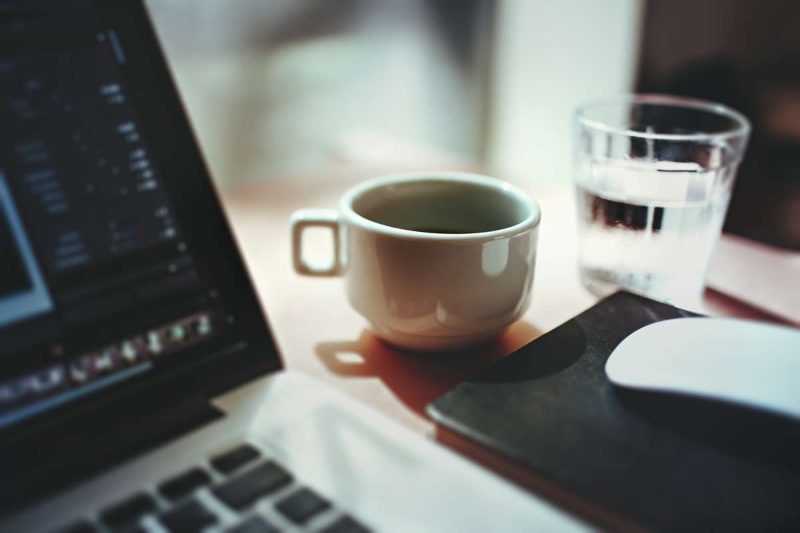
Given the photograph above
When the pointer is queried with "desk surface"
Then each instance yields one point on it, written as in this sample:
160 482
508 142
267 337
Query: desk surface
319 334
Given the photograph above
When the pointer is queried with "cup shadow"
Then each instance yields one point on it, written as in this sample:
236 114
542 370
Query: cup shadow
418 378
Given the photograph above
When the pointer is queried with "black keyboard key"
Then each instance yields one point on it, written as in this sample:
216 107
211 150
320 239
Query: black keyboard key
248 487
184 484
346 524
187 518
128 511
81 526
254 524
234 459
302 505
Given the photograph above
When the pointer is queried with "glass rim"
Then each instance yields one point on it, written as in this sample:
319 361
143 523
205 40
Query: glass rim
741 129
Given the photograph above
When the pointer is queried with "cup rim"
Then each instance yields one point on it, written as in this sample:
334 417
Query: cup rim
350 215
742 128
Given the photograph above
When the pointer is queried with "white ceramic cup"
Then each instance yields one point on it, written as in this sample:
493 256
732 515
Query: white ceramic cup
433 260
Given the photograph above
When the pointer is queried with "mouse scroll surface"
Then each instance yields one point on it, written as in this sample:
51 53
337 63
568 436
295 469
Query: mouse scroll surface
748 363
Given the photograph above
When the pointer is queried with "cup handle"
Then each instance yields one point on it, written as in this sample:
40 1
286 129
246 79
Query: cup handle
307 218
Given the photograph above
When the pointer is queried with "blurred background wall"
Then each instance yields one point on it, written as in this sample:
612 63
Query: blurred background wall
281 89
285 87
278 87
548 56
745 54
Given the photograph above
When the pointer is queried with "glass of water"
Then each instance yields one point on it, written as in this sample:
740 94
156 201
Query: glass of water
653 177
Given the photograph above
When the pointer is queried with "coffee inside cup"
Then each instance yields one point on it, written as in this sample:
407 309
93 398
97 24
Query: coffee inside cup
433 205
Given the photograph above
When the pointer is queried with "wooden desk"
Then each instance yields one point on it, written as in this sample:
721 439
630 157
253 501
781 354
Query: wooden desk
319 333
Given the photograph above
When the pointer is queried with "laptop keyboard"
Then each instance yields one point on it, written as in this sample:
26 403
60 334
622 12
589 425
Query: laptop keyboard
231 460
262 480
242 492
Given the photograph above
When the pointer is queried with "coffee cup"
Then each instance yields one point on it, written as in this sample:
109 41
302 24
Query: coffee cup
435 260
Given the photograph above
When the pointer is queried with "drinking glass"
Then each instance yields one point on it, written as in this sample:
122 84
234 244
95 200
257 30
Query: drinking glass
653 176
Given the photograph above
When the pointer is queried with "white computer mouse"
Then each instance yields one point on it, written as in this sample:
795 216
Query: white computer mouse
749 363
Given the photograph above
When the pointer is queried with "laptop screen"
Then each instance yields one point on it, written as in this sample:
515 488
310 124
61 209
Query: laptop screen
107 274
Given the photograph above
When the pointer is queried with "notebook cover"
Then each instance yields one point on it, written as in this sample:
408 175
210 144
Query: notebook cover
664 461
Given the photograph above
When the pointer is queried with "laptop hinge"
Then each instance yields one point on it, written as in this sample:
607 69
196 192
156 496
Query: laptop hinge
68 453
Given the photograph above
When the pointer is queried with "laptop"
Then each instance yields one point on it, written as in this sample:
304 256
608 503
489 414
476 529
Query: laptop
140 386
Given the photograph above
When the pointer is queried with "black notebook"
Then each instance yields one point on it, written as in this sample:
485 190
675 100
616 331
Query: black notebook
663 461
